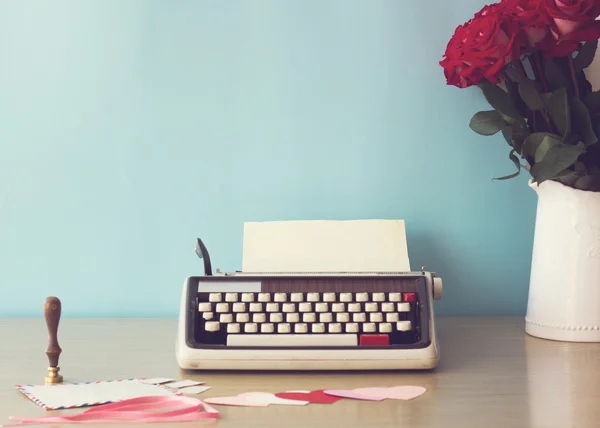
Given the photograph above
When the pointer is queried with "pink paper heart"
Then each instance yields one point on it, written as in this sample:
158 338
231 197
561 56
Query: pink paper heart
254 399
373 392
350 393
268 398
235 401
404 392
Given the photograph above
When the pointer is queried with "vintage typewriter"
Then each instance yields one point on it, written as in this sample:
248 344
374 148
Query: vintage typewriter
307 320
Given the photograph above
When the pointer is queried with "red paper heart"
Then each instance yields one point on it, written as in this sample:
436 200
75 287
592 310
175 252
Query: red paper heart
318 397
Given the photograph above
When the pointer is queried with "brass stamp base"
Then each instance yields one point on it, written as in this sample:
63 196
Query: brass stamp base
53 376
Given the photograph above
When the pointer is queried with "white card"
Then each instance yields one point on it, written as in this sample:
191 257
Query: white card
183 383
71 395
157 380
195 389
325 246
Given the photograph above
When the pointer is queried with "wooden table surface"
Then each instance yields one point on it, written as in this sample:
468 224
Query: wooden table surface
491 375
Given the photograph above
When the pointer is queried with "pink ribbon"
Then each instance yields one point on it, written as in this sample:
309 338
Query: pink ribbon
185 409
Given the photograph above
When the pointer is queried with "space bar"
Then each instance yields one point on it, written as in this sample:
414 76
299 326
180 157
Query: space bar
292 340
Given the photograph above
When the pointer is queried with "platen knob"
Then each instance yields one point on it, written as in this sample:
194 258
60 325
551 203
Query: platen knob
437 288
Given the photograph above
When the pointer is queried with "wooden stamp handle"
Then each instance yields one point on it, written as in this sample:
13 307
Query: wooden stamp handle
52 308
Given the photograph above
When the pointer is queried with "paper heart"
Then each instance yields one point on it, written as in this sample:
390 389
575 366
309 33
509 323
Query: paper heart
317 397
235 401
404 392
350 393
254 399
267 397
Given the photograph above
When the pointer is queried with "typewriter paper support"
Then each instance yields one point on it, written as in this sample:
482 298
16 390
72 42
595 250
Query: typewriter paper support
306 299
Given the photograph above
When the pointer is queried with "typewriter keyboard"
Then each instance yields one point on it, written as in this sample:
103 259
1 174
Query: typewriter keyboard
307 319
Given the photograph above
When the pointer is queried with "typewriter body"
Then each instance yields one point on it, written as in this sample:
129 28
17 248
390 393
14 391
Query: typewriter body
377 320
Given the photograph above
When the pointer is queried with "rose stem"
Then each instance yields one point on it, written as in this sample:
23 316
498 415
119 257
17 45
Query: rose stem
572 68
540 68
538 72
521 69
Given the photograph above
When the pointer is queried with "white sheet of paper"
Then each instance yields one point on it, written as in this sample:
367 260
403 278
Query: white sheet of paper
325 246
87 394
157 380
195 389
184 383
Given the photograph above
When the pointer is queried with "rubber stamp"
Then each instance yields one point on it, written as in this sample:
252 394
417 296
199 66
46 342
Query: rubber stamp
52 310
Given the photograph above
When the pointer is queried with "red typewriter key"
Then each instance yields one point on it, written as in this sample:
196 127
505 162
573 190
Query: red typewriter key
410 297
374 340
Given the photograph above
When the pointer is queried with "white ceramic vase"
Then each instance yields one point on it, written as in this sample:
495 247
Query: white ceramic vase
564 290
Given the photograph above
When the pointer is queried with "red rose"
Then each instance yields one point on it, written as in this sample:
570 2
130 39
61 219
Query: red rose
531 18
574 20
481 48
553 48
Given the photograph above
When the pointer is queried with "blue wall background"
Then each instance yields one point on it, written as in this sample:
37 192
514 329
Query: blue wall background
127 129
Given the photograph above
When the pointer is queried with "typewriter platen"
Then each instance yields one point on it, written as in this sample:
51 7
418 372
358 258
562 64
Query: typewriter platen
307 320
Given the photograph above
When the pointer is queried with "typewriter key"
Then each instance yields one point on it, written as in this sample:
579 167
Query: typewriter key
247 297
259 318
256 307
305 307
329 297
387 307
326 317
297 297
362 297
321 307
392 317
385 327
343 317
403 307
264 297
318 328
379 297
311 317
335 328
395 297
346 297
376 317
278 317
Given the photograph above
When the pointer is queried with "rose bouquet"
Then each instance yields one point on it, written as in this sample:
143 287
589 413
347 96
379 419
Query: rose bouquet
529 57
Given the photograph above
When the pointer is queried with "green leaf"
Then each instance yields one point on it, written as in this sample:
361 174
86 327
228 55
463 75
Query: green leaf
582 122
531 95
546 144
487 122
554 75
507 133
515 160
558 107
515 135
579 166
586 55
499 100
557 158
512 89
514 74
567 177
596 122
592 102
588 182
533 142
